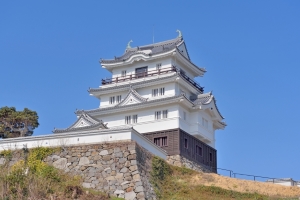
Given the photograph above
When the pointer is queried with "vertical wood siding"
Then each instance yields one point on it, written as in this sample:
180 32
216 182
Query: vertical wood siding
190 151
176 146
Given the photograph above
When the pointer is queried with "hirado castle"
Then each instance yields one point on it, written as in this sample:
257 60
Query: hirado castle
150 99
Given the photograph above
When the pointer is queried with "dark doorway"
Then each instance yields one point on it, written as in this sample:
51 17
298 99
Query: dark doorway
141 72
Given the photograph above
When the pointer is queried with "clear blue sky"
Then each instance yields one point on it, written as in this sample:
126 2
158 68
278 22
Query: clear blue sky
49 53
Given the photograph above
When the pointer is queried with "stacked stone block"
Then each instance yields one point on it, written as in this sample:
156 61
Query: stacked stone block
121 169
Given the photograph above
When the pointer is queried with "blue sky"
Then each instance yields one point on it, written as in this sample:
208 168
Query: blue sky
49 53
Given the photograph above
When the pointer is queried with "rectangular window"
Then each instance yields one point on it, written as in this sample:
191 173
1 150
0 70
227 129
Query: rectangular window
157 115
141 72
165 113
161 141
155 92
185 143
210 157
111 100
123 74
134 119
119 97
158 66
184 115
127 119
161 91
199 150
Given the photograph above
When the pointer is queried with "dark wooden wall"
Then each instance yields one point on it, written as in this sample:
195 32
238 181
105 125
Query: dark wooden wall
172 137
175 146
191 153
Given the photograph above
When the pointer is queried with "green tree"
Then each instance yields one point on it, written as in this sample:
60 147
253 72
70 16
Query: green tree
15 123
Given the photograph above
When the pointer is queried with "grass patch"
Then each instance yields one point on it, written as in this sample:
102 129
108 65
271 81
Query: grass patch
33 179
175 183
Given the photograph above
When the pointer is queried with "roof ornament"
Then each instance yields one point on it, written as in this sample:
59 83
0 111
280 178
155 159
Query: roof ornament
128 45
179 33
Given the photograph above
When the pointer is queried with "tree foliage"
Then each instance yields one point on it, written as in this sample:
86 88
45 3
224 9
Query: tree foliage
15 123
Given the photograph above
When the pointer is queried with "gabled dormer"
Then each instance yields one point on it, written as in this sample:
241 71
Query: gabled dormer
131 98
83 123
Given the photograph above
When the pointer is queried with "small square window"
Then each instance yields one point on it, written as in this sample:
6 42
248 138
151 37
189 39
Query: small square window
111 100
157 115
185 143
161 141
165 113
134 119
127 119
158 66
123 74
119 97
199 150
161 91
155 92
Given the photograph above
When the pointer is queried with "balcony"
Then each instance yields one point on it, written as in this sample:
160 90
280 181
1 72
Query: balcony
150 74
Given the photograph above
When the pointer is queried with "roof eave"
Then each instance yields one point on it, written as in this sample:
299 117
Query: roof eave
197 70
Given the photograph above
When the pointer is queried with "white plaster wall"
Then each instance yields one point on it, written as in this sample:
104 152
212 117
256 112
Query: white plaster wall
146 119
81 138
145 92
184 124
104 101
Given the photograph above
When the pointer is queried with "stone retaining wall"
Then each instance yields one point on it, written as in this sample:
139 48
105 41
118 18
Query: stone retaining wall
121 169
180 161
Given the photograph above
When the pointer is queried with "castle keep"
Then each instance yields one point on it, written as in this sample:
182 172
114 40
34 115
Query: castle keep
152 90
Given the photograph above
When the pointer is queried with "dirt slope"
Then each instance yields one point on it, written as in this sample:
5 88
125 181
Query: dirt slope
240 185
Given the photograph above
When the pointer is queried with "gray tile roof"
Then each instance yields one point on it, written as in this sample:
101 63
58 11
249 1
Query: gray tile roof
95 123
155 48
78 112
206 98
203 99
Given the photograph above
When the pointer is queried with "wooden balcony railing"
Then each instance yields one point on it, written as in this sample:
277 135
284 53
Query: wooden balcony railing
149 74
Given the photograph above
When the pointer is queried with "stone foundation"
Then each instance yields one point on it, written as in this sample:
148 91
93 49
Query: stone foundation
121 169
181 161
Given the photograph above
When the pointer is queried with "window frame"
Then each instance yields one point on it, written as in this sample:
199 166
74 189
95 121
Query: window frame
163 141
164 114
186 143
134 119
112 100
158 66
157 115
123 73
161 91
143 72
155 92
128 119
199 150
118 98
